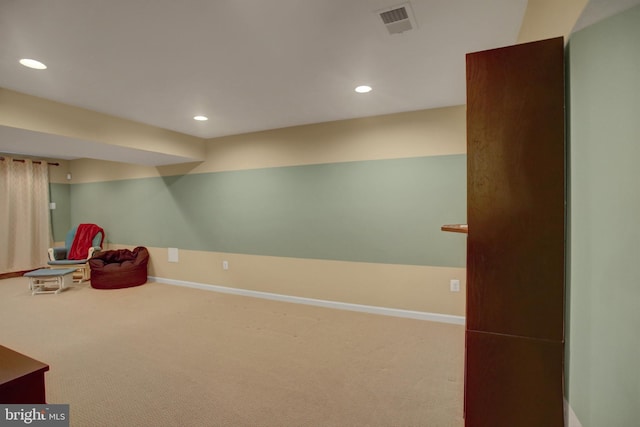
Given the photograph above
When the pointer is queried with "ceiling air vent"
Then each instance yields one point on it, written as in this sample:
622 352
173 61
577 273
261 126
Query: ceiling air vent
398 19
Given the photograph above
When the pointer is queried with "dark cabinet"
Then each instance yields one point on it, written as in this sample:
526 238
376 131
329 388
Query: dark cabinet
516 233
21 378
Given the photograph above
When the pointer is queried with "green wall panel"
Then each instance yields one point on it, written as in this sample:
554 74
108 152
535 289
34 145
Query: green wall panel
61 215
604 285
385 211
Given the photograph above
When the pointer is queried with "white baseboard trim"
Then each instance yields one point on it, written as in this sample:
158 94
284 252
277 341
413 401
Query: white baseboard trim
385 311
570 418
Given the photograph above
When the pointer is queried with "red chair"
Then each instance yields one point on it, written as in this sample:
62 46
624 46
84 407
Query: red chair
79 245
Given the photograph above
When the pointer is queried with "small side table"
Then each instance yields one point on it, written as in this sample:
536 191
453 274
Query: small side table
49 280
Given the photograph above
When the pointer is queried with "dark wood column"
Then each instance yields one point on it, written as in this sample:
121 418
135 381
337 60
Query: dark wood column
515 247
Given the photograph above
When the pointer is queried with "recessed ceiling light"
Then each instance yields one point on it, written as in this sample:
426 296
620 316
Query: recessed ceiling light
201 118
363 89
32 63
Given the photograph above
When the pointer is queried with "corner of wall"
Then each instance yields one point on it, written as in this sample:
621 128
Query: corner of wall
545 19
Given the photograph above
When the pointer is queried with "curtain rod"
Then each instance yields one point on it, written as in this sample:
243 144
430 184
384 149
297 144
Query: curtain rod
34 161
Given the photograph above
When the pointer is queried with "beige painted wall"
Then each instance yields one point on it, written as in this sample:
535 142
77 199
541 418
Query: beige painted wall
416 288
58 174
434 132
546 19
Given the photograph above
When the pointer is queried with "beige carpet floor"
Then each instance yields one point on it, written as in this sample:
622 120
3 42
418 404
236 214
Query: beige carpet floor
161 355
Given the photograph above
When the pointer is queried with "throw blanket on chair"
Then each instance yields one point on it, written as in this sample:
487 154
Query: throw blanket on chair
83 240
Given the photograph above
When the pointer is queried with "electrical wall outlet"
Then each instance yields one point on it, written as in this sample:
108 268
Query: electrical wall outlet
454 285
172 254
225 265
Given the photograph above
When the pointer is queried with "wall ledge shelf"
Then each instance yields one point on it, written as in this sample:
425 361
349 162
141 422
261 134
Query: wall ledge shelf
456 228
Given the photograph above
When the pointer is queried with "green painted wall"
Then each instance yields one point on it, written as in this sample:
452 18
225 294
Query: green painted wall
383 211
604 285
61 215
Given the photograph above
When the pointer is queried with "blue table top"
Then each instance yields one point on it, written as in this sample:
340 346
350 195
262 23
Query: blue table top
50 272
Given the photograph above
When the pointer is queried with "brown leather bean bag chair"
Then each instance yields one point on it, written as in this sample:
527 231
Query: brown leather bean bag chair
121 268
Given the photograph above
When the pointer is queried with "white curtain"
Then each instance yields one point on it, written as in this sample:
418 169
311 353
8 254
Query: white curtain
25 227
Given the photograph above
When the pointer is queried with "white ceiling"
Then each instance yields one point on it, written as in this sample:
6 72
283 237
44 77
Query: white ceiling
248 65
